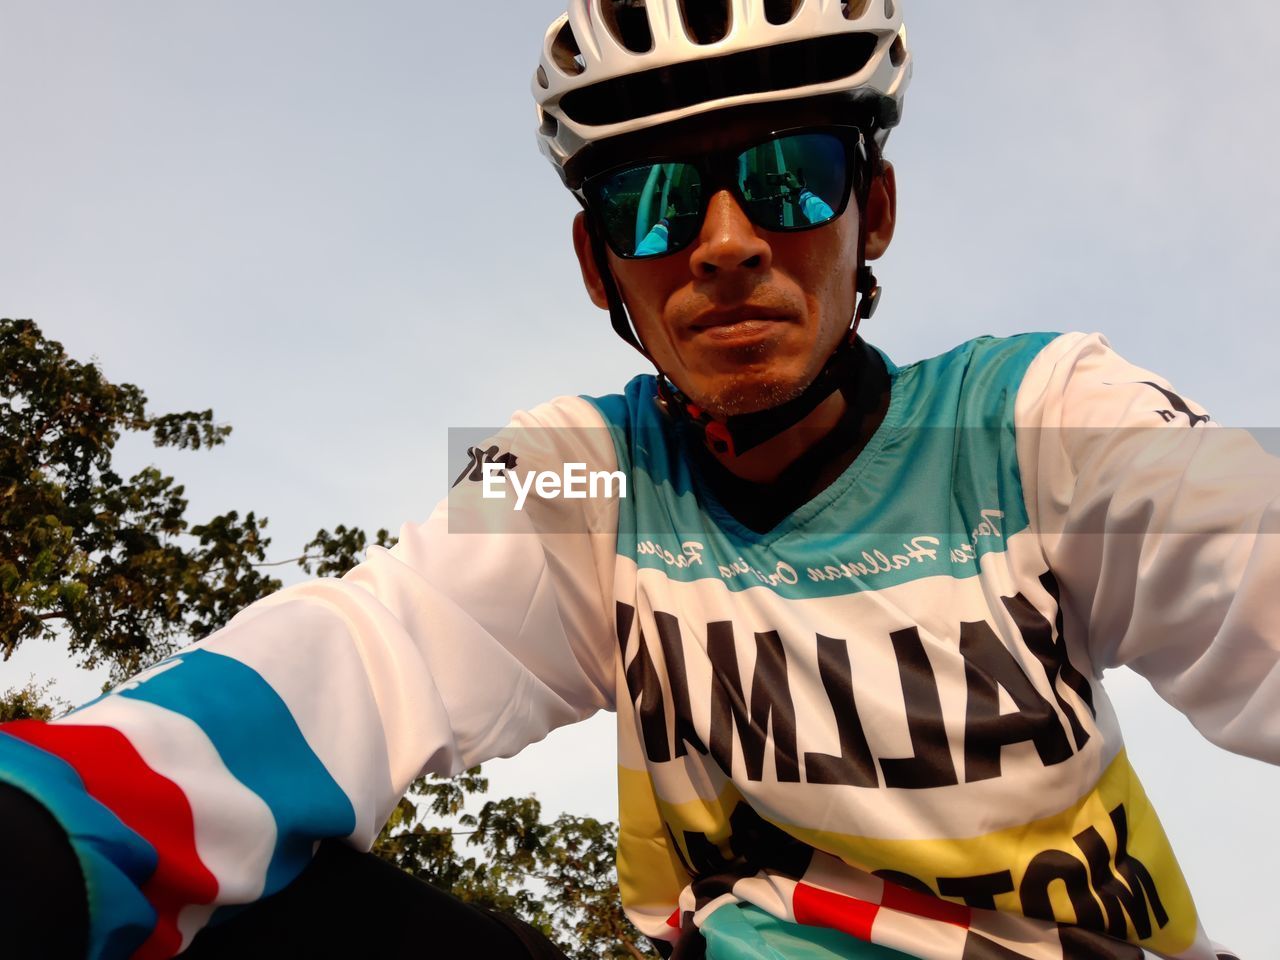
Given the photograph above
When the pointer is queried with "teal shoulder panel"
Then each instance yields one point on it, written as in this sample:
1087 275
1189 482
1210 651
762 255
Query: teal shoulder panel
975 382
955 443
669 520
936 488
644 437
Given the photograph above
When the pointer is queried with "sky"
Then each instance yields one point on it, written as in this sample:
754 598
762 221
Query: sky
329 222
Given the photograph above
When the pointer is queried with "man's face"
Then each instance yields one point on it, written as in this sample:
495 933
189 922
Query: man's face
744 318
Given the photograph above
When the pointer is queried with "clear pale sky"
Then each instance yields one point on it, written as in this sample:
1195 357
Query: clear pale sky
330 223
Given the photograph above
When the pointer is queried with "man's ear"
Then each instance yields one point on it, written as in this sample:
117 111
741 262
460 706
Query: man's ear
882 212
587 262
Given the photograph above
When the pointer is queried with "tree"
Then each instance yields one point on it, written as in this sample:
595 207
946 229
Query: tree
110 565
558 876
113 568
31 702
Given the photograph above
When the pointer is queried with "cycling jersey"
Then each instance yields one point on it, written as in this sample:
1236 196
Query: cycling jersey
879 722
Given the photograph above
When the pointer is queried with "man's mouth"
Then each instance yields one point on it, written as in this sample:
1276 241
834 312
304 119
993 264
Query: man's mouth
742 323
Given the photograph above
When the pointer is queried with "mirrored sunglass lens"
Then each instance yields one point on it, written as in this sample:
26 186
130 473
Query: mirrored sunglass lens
652 209
795 181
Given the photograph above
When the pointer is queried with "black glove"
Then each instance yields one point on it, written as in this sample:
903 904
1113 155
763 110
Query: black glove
44 911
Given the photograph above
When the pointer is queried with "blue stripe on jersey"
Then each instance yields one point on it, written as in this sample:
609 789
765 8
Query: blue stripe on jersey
261 745
881 523
115 861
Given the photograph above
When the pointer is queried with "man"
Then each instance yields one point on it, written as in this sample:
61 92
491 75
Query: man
852 616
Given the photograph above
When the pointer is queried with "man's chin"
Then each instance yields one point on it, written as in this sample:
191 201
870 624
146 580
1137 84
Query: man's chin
741 396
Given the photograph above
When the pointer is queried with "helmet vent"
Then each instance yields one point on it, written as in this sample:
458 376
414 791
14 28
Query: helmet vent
705 21
565 52
779 12
628 23
854 9
888 9
543 82
765 70
549 126
898 52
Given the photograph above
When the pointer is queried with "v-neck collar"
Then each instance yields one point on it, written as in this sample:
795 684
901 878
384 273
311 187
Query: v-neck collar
801 498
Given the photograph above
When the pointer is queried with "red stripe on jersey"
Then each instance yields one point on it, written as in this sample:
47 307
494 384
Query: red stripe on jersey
923 905
674 919
151 805
822 908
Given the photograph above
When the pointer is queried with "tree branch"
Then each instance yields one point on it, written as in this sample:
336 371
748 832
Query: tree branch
281 563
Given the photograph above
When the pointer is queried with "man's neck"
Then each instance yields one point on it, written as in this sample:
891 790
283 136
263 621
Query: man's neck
770 482
766 462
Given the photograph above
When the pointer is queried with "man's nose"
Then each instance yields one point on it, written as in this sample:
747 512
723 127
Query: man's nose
728 243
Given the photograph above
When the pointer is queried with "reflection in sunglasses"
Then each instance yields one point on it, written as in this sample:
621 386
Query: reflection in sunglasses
790 182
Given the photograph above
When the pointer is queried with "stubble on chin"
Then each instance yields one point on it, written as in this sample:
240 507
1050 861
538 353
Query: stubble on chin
764 380
736 395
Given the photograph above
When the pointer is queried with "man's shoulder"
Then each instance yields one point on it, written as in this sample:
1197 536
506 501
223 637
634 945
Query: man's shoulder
983 351
644 437
974 382
633 403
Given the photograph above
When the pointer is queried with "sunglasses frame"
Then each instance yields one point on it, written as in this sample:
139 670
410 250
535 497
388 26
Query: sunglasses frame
717 170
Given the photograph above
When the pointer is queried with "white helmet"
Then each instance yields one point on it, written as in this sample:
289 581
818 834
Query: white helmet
612 67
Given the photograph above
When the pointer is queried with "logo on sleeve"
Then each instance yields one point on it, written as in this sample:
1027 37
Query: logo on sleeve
474 470
1178 404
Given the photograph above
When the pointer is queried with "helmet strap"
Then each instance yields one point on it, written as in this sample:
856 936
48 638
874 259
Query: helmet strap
618 316
736 435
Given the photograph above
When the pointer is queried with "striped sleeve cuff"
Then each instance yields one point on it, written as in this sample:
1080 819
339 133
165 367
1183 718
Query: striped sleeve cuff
115 860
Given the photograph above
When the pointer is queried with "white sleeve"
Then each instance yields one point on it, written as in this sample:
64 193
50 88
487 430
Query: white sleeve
1164 531
485 627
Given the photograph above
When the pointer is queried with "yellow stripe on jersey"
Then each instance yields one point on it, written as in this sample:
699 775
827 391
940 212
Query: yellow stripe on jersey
649 871
1104 862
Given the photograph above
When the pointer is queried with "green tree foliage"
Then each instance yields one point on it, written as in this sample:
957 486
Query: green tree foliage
109 564
31 702
559 876
113 568
333 554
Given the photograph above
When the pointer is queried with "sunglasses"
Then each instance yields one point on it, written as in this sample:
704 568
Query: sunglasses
793 180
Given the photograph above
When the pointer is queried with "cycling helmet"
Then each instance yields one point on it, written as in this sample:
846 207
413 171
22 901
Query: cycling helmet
614 67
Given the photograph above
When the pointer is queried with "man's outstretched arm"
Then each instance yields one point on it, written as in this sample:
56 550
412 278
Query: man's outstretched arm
207 780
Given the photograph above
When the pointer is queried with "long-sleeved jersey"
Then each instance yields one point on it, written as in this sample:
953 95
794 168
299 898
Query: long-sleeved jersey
879 722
